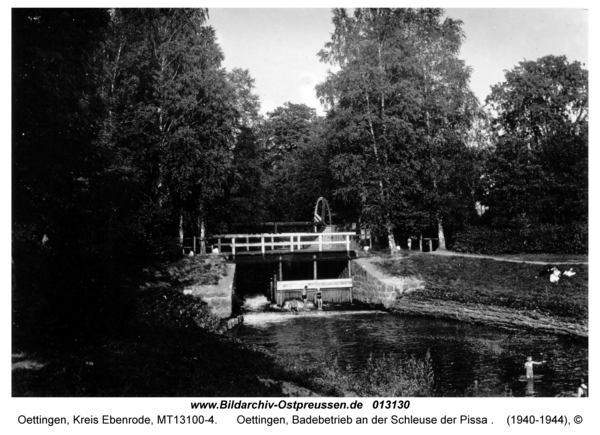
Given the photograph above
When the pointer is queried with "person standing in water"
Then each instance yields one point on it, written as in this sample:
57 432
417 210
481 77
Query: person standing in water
529 367
582 391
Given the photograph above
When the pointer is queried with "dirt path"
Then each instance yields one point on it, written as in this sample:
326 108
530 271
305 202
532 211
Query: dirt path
510 260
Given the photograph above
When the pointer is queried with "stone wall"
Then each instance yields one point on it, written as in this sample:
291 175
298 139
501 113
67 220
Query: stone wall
371 287
219 297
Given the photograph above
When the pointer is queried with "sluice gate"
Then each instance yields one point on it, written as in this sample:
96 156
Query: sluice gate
282 277
333 290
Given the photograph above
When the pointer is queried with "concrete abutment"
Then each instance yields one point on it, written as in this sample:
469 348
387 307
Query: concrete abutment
372 287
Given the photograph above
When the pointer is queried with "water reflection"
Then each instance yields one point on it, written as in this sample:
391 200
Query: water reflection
465 357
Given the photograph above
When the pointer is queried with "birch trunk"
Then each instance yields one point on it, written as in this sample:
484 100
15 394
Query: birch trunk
390 232
391 239
441 238
181 228
202 233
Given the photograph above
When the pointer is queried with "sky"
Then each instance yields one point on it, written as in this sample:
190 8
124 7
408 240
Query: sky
280 46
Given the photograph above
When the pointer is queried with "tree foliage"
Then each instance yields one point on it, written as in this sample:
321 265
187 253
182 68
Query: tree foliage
71 244
123 125
538 170
173 106
296 162
245 190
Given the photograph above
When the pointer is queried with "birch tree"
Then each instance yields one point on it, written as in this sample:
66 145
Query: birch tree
173 107
400 95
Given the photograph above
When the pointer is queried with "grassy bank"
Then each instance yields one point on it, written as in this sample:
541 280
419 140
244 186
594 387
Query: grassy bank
495 283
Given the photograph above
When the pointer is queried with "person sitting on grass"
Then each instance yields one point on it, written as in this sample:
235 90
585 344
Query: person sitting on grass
529 367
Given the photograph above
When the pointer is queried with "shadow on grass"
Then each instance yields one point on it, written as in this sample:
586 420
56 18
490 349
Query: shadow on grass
160 351
155 362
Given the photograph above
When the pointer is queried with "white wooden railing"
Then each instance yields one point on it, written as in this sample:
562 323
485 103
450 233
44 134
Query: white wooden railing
283 241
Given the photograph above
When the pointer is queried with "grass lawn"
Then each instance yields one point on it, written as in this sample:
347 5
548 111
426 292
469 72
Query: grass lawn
497 283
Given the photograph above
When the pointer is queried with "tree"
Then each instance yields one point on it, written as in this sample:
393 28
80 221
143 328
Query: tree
399 104
73 243
295 161
538 171
245 189
55 112
247 103
302 176
286 127
174 108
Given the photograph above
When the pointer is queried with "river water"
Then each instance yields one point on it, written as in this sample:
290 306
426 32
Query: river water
461 353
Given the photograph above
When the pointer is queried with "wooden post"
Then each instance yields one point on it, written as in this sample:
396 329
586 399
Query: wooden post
247 242
194 244
347 243
292 243
262 244
233 246
349 268
219 244
280 269
315 267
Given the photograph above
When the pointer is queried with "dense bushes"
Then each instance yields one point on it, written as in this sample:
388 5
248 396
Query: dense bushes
388 377
168 308
549 239
381 376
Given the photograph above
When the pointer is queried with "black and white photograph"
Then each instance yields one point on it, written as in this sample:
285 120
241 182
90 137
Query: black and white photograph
300 203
